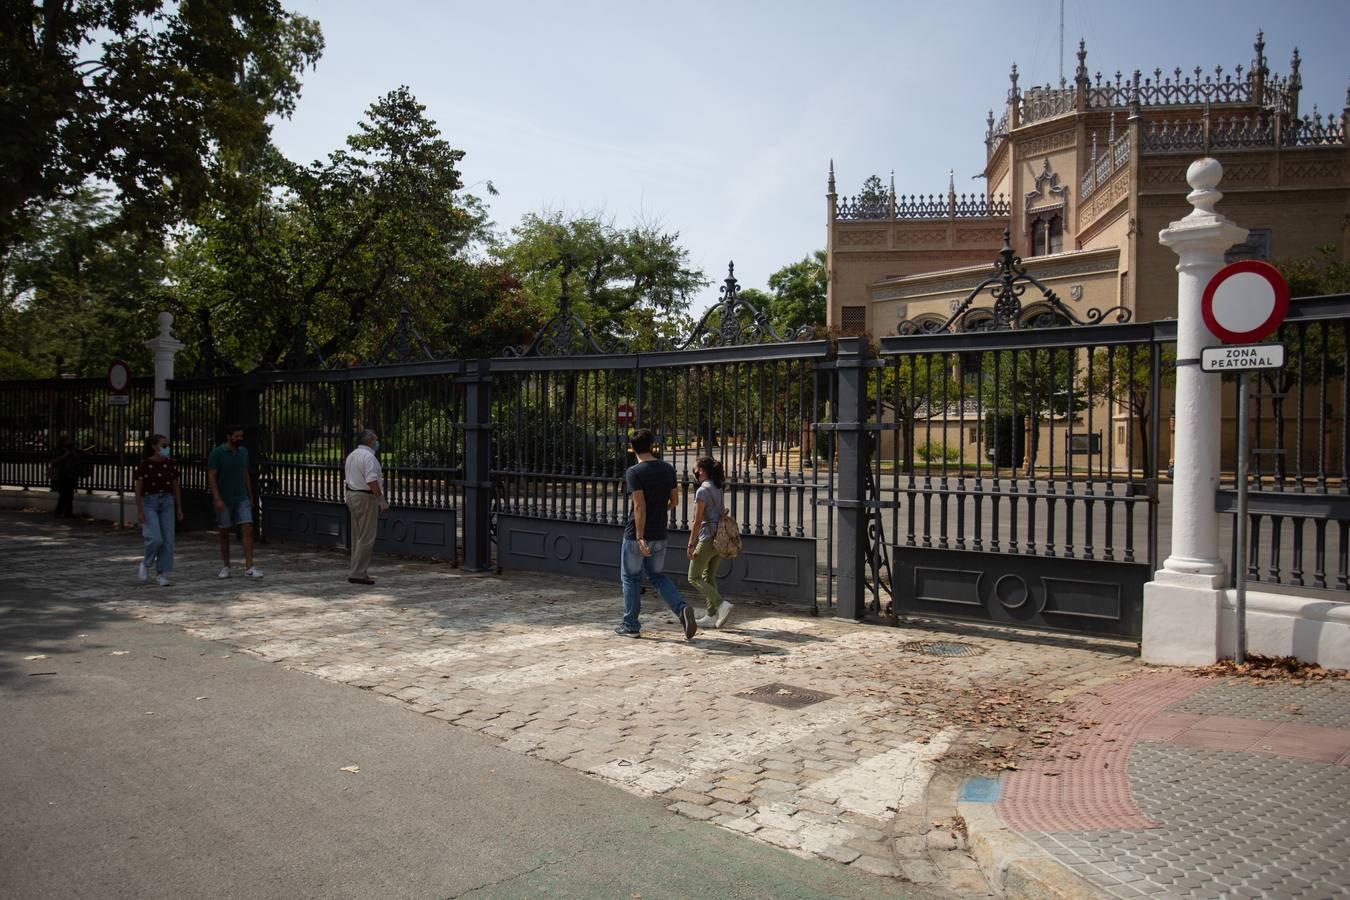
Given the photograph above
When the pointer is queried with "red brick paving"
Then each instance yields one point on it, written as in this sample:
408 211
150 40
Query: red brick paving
1087 786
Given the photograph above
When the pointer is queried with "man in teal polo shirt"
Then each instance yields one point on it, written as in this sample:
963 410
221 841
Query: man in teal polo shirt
231 488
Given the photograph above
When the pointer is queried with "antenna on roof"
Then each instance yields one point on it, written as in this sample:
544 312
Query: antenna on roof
1061 43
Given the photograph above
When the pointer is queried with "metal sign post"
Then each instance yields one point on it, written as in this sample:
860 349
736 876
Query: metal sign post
1244 301
1240 558
121 465
1244 360
119 383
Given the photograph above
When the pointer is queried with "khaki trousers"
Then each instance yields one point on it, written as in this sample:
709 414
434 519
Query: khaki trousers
365 509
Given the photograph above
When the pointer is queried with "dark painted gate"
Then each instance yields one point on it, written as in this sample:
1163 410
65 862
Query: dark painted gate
1012 472
300 425
735 391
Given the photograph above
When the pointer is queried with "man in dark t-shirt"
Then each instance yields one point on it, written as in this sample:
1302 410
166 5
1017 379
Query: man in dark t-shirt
652 488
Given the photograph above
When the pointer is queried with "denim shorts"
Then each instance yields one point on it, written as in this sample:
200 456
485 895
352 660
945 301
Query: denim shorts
236 513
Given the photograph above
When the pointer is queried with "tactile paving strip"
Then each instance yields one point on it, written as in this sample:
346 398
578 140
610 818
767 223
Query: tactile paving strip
1091 790
1231 825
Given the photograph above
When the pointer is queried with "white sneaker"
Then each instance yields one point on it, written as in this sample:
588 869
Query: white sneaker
253 572
224 572
706 621
141 575
163 580
723 613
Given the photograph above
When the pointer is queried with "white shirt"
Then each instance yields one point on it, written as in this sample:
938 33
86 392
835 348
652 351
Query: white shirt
363 467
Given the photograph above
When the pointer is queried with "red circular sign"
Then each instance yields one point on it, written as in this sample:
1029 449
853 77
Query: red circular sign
1245 302
625 415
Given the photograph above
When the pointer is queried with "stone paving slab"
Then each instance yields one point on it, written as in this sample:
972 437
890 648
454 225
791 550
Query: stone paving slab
530 660
1306 704
1228 804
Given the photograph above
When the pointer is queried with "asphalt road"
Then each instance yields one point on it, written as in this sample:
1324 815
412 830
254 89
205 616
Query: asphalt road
152 764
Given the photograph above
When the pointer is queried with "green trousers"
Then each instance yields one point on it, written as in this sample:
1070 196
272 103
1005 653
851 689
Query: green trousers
703 574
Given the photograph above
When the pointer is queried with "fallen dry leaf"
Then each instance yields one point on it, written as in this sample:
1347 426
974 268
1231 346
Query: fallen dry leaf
119 653
354 770
203 698
36 656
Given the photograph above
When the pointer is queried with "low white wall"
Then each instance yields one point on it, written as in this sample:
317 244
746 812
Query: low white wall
98 505
1313 630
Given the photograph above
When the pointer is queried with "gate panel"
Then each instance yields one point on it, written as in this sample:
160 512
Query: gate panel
782 568
1072 595
299 427
560 449
1015 477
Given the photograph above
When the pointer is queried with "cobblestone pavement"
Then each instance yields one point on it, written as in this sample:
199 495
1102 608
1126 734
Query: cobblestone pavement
1191 787
530 660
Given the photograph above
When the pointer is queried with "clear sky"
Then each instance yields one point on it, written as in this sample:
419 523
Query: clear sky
718 120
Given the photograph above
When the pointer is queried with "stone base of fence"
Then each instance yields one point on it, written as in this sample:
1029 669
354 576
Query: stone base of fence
1312 630
97 505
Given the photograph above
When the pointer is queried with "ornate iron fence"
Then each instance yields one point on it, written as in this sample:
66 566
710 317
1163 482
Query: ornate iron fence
736 392
299 427
1299 506
34 413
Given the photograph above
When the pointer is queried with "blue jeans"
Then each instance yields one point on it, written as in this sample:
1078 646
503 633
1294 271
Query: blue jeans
158 531
631 566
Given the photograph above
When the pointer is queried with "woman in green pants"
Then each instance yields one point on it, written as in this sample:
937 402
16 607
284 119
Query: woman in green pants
703 558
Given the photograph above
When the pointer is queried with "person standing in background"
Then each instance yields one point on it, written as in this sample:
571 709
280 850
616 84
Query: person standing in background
159 506
67 468
228 478
366 500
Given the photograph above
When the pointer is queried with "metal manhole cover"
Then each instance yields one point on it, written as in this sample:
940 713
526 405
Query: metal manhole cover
785 695
941 648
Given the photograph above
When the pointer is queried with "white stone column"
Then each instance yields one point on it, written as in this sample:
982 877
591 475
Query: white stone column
1183 602
165 347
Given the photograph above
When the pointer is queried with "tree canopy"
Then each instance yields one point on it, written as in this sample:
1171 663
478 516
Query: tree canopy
633 282
150 97
799 291
314 261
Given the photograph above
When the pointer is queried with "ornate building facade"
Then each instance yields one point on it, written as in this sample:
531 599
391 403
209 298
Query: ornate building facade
1083 177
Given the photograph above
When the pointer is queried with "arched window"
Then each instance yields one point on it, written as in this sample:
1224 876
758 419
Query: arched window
1047 234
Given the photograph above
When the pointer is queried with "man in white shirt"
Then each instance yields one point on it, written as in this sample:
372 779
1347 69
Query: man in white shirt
366 500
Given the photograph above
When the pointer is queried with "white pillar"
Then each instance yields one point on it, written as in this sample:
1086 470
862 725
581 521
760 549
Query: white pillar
165 346
1183 602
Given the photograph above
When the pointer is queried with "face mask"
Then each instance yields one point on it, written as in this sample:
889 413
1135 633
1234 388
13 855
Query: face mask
164 452
377 445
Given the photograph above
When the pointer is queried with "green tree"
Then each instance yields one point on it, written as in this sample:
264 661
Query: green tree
148 96
297 261
80 289
917 388
1124 378
799 291
874 194
635 283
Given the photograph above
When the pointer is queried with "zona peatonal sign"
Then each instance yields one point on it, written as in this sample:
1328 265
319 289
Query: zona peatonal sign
1242 357
1244 302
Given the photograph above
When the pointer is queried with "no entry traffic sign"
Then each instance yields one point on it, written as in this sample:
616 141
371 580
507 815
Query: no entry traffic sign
1245 302
119 377
624 415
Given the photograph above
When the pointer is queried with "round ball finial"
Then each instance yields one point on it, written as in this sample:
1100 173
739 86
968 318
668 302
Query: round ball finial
165 323
1204 174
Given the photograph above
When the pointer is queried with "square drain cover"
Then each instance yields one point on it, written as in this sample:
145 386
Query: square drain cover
785 695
